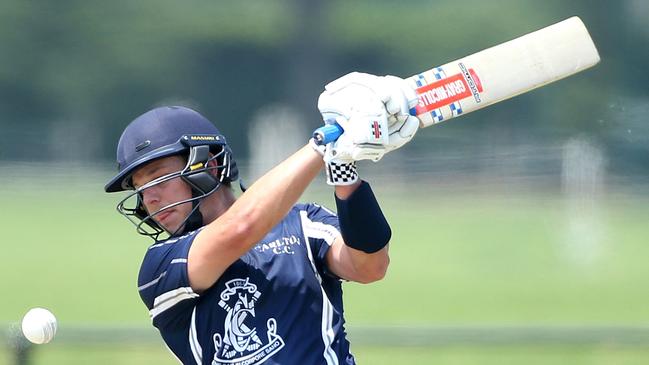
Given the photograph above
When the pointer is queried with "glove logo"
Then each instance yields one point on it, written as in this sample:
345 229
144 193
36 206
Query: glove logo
241 344
376 130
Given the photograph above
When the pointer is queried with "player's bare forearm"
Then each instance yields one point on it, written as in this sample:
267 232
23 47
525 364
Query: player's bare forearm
352 264
355 265
251 217
269 199
344 191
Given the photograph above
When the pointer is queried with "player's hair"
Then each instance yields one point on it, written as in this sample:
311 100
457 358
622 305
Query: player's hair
165 132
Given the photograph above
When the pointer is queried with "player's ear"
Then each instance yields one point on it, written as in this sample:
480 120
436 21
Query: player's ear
212 165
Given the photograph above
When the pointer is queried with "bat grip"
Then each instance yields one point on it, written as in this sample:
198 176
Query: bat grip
327 133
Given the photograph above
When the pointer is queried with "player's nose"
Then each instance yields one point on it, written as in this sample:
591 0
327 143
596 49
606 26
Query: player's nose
151 197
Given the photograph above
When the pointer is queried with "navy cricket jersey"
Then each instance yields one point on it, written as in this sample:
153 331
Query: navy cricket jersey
277 304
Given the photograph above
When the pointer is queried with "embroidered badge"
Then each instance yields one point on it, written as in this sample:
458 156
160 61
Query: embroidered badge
241 343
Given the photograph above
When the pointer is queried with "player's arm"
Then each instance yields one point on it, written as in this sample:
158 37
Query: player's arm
369 232
374 114
250 218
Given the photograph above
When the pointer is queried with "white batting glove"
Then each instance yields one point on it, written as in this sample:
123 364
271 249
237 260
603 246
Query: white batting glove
365 137
338 171
343 95
373 111
401 132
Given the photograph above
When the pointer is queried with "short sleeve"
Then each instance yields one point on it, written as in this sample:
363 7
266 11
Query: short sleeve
163 282
321 227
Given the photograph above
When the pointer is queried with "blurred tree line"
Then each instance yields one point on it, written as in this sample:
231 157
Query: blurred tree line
73 73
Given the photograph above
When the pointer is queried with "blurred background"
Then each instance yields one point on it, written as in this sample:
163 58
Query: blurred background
520 231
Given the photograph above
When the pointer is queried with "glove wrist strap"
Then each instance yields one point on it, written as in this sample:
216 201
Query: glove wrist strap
341 173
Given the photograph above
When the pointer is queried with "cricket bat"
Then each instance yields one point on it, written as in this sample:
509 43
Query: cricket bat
495 74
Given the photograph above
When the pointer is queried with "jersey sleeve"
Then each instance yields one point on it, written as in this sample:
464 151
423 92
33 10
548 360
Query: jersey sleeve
163 283
321 227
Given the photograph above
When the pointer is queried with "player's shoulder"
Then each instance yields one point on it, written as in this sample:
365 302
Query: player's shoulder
162 253
312 208
301 206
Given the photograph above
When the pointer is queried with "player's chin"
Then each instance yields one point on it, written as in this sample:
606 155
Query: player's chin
172 229
169 220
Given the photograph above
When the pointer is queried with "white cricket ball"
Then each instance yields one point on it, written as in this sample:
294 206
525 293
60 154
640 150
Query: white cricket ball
39 325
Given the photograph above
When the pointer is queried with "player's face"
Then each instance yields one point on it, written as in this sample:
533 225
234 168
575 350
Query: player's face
165 193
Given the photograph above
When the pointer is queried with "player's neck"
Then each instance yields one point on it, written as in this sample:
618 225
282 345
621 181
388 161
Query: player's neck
217 204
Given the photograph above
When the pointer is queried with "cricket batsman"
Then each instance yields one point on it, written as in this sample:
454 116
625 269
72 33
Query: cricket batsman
257 279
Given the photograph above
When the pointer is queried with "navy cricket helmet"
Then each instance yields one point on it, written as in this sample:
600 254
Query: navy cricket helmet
163 132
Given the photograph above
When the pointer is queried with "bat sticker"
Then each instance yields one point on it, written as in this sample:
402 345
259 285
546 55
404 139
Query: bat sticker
472 79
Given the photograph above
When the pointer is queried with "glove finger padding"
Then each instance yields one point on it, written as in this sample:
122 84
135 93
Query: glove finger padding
365 80
402 132
401 96
353 99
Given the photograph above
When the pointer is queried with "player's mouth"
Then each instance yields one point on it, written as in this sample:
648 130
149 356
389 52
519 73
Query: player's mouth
163 216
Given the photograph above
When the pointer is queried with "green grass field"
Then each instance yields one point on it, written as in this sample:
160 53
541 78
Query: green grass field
457 259
508 355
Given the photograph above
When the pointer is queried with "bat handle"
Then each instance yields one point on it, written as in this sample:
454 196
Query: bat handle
332 130
327 133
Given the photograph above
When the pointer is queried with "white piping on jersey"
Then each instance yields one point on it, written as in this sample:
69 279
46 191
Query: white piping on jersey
327 330
167 242
152 282
324 208
173 240
156 280
167 300
327 307
197 350
313 229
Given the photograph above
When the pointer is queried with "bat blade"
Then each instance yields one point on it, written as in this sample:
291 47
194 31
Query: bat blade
496 74
503 71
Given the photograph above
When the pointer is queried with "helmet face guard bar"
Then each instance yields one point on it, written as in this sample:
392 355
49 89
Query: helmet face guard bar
197 174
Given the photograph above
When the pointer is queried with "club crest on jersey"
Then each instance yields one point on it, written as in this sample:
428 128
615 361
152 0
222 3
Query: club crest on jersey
241 343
